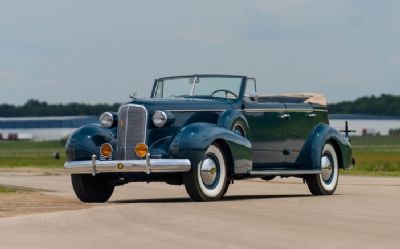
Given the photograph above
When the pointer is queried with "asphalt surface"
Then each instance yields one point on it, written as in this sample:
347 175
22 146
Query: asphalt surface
364 213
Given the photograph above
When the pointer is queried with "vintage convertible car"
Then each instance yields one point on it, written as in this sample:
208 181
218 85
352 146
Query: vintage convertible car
205 131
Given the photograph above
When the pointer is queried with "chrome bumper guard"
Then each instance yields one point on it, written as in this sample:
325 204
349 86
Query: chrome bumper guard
146 165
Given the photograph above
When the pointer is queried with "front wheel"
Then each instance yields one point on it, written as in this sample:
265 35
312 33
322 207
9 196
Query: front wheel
208 180
326 182
90 188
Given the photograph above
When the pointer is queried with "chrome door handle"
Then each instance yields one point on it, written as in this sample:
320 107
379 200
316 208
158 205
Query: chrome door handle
311 115
285 115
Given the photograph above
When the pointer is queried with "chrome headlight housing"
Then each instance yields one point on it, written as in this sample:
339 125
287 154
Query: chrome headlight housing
106 119
160 118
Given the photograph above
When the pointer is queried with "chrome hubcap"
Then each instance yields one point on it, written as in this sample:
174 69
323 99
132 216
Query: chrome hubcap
326 167
208 171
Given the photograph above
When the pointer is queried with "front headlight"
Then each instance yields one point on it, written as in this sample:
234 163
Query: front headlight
106 119
160 118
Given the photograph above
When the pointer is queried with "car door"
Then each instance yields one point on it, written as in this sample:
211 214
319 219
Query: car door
300 125
268 133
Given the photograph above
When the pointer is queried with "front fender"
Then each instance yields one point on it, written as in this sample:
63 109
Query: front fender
86 141
193 141
323 133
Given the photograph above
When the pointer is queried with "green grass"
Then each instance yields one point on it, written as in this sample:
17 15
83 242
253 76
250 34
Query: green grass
7 190
376 156
31 154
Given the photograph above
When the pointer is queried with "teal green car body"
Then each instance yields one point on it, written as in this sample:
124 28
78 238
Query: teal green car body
266 141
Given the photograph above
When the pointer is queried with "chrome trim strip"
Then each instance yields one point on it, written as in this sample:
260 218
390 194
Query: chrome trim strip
252 110
265 110
284 110
204 110
299 110
94 158
157 165
283 172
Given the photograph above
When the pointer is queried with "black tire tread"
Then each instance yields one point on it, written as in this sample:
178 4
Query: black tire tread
90 188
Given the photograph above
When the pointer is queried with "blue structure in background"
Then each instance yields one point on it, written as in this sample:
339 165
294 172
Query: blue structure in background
47 122
42 128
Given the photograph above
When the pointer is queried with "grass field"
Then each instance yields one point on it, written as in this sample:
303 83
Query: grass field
7 190
374 155
31 154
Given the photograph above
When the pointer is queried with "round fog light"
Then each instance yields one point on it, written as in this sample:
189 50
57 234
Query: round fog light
106 150
141 150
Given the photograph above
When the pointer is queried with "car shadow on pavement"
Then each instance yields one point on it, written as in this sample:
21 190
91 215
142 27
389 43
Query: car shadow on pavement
226 198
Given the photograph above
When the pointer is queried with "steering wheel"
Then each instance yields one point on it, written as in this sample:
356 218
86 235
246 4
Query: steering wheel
226 93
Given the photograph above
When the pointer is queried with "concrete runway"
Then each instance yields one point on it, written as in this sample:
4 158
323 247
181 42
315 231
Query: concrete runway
364 213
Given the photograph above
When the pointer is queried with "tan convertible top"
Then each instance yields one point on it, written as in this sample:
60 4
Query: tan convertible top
314 98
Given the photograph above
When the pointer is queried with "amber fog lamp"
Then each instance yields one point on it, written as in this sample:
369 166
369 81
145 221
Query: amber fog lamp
141 150
106 150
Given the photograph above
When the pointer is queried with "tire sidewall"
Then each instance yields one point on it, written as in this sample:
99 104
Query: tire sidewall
330 187
217 191
243 126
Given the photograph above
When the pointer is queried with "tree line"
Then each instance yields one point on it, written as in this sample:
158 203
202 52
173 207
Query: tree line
384 104
36 108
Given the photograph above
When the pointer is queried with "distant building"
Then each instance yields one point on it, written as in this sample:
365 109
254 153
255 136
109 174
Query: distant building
365 124
42 128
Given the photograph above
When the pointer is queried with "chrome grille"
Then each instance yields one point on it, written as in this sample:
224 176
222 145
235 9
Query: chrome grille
132 122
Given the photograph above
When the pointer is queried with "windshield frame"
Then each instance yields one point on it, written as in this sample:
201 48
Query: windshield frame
240 95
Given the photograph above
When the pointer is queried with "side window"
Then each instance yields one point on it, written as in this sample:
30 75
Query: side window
251 87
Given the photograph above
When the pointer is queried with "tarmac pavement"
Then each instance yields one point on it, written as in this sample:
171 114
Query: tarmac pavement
364 213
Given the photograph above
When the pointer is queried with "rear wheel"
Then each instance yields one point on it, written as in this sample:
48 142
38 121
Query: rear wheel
90 188
326 182
208 180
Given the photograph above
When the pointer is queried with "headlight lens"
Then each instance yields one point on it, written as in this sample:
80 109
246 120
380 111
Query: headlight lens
160 118
106 119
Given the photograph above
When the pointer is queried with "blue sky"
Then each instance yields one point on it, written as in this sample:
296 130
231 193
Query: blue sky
98 51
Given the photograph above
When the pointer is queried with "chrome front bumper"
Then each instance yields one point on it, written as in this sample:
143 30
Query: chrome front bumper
146 165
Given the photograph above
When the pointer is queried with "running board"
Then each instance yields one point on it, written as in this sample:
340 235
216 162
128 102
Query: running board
283 172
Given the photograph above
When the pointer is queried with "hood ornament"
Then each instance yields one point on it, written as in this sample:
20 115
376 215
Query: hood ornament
132 95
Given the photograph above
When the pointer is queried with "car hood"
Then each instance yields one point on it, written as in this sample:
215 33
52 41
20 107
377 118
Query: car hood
183 104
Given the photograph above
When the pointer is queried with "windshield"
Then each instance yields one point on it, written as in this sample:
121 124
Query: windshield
198 86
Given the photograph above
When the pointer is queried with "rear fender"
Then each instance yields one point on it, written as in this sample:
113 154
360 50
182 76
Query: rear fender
323 133
228 118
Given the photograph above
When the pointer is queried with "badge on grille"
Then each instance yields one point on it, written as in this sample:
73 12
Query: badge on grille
120 166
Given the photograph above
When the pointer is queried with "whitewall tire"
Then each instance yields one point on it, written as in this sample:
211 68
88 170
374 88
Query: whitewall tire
208 181
326 182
